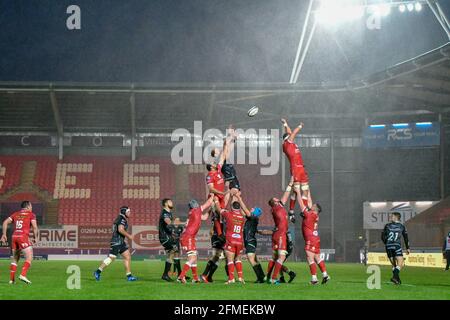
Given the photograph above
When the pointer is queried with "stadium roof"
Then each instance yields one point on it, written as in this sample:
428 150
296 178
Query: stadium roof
417 87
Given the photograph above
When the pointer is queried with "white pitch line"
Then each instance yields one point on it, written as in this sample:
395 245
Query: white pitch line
405 285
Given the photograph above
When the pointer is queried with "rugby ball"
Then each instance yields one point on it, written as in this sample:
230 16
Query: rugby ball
253 111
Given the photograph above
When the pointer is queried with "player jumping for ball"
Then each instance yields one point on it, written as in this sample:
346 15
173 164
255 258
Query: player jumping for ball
187 238
20 240
297 168
118 245
392 238
216 184
227 169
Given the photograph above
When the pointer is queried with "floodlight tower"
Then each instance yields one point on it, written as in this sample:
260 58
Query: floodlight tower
335 11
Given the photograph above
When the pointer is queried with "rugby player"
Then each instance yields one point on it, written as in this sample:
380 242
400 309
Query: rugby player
228 170
118 245
392 238
166 237
20 241
297 168
187 238
250 242
178 228
279 239
310 225
284 268
234 245
217 244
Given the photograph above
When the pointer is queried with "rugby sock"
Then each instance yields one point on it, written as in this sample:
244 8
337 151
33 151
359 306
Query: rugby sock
313 269
186 268
259 271
230 270
167 268
396 272
99 270
322 267
270 268
208 268
277 269
292 203
12 271
194 272
177 265
226 270
213 269
25 268
239 268
128 274
284 269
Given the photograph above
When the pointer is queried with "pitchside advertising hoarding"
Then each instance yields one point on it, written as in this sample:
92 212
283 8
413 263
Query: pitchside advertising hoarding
429 260
376 214
64 237
420 134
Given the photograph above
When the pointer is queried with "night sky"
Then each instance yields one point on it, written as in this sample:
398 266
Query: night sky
198 41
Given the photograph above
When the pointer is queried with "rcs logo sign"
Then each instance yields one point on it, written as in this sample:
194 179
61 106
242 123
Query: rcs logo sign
399 134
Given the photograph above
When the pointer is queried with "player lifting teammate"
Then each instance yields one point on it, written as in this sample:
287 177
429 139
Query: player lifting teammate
392 238
187 239
297 168
20 240
310 232
118 245
234 221
216 184
279 239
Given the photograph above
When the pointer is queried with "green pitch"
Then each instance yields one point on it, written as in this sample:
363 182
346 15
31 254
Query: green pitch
348 281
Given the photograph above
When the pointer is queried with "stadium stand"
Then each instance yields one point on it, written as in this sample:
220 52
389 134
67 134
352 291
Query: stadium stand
90 189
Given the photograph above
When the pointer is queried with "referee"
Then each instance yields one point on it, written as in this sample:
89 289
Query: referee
166 237
446 250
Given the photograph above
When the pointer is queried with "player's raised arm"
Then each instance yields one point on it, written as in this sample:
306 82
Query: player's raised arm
286 127
243 206
287 192
206 206
6 222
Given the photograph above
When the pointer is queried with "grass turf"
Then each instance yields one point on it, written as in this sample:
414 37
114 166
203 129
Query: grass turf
348 281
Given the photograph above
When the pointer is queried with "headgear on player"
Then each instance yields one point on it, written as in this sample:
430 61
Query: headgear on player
256 212
193 204
124 210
